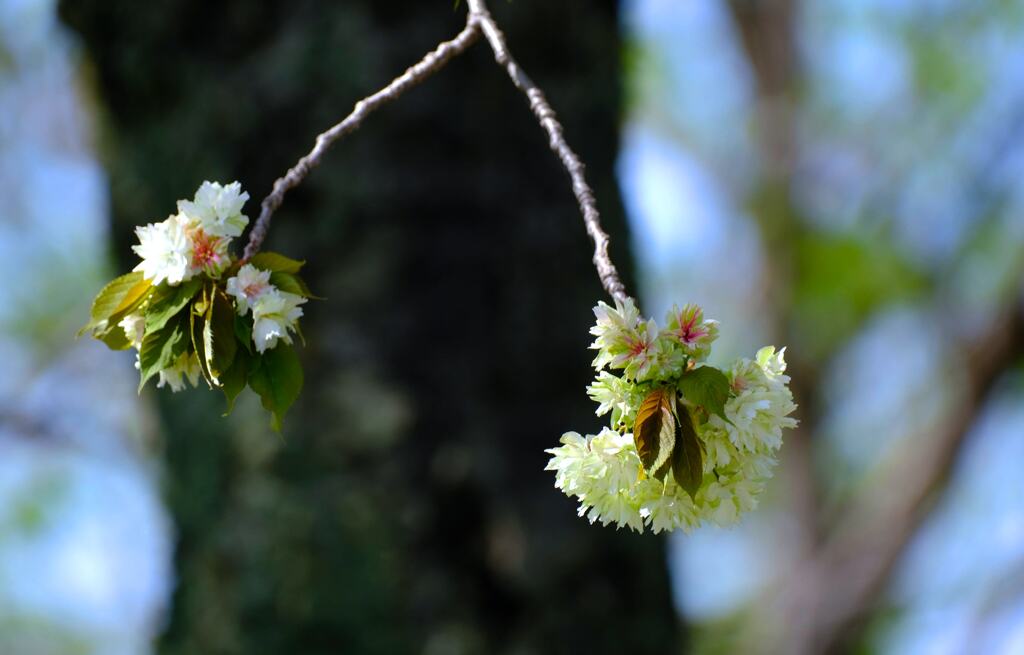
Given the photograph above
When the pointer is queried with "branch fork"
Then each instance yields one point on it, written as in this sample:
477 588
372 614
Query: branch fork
479 22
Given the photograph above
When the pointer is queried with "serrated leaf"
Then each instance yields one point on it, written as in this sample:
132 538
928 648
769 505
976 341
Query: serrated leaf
687 456
113 294
134 296
277 379
276 263
197 323
233 380
160 348
167 301
243 331
118 296
654 431
292 284
219 341
706 386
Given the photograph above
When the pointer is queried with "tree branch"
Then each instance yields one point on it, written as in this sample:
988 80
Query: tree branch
478 20
478 14
830 591
767 34
430 64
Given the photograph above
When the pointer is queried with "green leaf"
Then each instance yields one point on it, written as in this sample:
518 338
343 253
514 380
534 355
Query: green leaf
243 331
110 297
654 431
275 263
706 386
167 301
114 338
119 296
232 381
134 297
292 284
219 341
277 378
197 325
687 464
160 349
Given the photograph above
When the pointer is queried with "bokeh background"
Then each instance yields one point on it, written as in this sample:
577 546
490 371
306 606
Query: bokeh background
841 177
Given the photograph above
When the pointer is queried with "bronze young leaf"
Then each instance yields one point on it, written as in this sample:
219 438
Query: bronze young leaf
654 431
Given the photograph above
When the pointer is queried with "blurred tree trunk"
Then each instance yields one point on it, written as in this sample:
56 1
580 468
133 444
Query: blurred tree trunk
406 508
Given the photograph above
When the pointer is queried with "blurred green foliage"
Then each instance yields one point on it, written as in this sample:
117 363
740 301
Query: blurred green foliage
842 279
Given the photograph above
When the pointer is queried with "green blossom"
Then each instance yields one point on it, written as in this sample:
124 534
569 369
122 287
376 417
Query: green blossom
616 395
635 346
186 367
692 334
217 209
738 441
759 411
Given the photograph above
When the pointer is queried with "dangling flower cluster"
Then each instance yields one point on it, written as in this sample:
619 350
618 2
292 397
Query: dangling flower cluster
688 443
191 310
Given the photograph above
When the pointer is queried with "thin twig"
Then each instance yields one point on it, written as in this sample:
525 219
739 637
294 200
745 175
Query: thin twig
479 19
430 64
479 14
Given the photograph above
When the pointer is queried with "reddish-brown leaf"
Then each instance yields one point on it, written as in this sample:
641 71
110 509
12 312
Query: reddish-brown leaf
654 431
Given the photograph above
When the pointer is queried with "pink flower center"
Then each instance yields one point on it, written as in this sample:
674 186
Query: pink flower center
204 250
254 289
638 347
688 333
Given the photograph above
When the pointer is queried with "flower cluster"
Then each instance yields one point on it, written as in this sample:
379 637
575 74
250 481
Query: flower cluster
275 313
195 240
191 310
688 443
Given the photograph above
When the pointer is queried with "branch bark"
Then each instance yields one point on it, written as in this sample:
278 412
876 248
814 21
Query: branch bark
478 20
546 117
767 34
